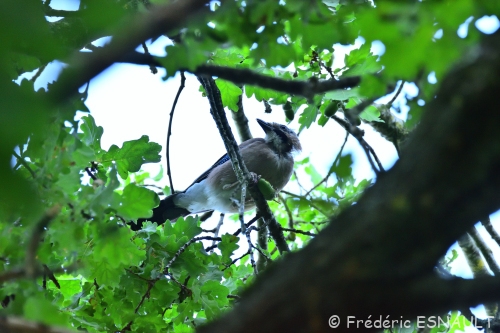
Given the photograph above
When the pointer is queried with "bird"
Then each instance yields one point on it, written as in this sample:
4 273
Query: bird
218 188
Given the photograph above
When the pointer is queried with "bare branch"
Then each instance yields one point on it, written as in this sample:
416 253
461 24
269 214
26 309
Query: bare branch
400 88
241 121
357 133
83 67
294 87
152 67
243 76
25 164
184 247
169 133
331 168
307 233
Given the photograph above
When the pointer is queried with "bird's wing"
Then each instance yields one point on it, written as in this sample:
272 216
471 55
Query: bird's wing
204 175
225 158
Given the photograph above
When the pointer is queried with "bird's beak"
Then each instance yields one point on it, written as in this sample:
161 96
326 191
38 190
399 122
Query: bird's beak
265 126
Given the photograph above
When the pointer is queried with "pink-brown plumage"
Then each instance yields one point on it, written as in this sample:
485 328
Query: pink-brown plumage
218 189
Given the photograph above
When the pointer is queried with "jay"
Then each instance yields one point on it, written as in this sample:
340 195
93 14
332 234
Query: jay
217 188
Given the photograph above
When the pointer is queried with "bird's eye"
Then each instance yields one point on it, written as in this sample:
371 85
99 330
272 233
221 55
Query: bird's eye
283 127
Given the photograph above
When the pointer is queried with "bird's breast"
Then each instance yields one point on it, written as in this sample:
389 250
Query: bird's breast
222 185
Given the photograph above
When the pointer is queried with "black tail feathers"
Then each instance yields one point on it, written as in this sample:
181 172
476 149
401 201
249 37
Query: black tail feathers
166 210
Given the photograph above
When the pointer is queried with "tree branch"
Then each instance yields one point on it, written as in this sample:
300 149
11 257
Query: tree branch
241 121
169 132
241 171
83 67
375 252
243 76
302 88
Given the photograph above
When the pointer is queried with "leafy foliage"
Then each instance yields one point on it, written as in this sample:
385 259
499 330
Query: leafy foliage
168 278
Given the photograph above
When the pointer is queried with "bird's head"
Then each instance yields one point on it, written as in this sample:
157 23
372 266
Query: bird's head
280 137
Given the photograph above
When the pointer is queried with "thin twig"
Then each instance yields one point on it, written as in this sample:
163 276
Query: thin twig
184 247
36 236
235 260
152 67
261 241
217 228
262 253
400 88
331 168
243 76
241 205
241 121
313 223
352 114
137 275
250 247
357 133
38 72
299 231
151 284
182 286
153 186
50 275
90 173
288 211
298 182
249 223
169 133
267 107
24 163
291 194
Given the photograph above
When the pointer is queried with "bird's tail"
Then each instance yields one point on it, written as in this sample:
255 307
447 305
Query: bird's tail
166 210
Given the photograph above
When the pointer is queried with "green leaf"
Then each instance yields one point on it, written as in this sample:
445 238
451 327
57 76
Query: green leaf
372 86
132 155
119 249
342 94
187 55
135 202
361 61
227 57
313 173
228 245
371 113
343 166
39 309
92 133
230 93
187 227
308 116
275 54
